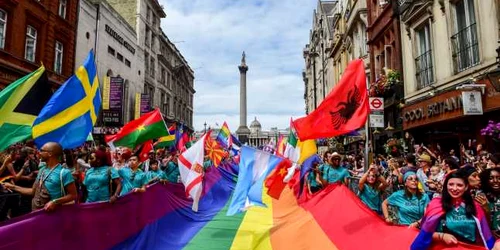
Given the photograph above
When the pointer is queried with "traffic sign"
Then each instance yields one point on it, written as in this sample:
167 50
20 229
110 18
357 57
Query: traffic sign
376 120
376 104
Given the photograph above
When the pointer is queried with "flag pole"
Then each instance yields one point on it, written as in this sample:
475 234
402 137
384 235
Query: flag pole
367 134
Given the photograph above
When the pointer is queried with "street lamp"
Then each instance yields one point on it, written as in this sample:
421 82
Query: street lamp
205 125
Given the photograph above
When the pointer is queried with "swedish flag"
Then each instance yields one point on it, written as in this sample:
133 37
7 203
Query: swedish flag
70 114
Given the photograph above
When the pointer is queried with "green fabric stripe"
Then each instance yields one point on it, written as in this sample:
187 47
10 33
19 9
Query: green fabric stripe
292 140
219 233
165 144
5 94
16 133
153 131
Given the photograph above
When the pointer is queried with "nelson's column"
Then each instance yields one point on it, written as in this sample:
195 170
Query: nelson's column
243 131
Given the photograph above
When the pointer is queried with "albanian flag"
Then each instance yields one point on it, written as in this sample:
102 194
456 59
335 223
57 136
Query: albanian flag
345 109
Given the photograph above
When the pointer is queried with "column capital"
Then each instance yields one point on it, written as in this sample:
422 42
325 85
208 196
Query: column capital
243 68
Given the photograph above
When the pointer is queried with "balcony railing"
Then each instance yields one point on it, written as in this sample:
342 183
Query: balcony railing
424 69
465 48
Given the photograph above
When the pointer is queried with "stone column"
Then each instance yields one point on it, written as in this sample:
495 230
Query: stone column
243 131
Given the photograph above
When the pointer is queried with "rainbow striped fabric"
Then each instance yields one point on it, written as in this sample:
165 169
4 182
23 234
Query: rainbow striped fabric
161 218
224 135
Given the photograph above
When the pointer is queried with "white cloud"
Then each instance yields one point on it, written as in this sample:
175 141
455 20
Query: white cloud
215 32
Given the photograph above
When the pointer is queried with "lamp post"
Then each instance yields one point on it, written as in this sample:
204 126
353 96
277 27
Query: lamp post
205 125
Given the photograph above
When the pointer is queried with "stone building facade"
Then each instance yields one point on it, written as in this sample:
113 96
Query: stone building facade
259 138
318 73
450 50
32 32
117 54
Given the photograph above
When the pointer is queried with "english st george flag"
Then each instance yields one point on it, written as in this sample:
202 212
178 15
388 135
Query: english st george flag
345 109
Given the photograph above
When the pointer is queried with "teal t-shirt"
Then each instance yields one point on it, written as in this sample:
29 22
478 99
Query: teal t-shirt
332 175
172 172
458 223
409 209
131 180
495 215
207 164
371 197
156 175
311 179
97 183
53 178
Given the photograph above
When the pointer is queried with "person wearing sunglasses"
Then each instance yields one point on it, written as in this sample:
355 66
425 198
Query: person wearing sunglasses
333 172
133 178
410 202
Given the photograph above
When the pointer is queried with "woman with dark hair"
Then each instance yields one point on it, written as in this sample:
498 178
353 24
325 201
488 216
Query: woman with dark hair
371 185
100 178
453 217
410 202
490 183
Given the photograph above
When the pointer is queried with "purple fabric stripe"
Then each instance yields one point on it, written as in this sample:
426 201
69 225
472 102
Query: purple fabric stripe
98 225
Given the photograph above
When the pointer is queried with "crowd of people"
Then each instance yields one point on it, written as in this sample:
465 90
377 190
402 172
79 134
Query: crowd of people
414 189
408 190
34 179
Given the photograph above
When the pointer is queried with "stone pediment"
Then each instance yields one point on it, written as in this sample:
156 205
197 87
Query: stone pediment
414 9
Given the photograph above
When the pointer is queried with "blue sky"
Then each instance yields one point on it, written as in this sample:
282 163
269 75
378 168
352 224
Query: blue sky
211 35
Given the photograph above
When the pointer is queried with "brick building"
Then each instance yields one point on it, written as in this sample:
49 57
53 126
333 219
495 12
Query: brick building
36 32
384 41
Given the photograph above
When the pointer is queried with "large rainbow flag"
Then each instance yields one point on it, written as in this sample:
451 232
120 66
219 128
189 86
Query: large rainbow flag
161 218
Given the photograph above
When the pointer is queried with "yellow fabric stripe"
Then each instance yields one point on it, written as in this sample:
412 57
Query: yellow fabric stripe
253 232
6 111
167 138
71 113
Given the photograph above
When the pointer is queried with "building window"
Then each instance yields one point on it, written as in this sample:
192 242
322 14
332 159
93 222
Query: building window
62 8
464 42
111 51
163 102
119 57
148 14
153 38
167 108
58 58
152 67
30 47
423 61
162 75
127 62
3 27
146 39
146 63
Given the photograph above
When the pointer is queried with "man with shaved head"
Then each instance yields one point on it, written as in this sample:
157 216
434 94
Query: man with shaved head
54 184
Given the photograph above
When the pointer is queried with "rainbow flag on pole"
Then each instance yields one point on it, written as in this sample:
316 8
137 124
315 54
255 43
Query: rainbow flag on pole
224 136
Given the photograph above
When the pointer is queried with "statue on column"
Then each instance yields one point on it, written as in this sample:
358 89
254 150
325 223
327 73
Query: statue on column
243 61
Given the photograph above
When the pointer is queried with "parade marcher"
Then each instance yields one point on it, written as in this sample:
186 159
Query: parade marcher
371 185
133 178
155 174
392 176
145 166
122 156
410 162
54 184
26 168
454 217
313 179
490 185
423 173
410 202
99 179
473 180
172 169
333 173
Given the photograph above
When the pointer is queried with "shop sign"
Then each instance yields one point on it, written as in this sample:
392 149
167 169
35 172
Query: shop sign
119 39
434 109
472 103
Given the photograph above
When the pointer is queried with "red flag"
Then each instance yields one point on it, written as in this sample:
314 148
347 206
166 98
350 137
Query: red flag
274 182
146 147
345 109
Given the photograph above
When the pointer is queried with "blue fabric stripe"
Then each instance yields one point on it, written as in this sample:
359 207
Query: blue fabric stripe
68 135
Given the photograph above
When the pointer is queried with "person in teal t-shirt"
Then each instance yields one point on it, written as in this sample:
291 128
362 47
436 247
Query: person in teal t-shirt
99 177
155 174
409 202
333 172
371 185
313 179
172 169
133 179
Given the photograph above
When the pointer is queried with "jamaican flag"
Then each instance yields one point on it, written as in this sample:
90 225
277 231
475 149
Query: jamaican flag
20 104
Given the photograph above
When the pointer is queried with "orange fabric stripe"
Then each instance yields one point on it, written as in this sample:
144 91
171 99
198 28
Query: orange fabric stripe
294 227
